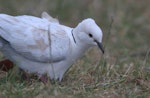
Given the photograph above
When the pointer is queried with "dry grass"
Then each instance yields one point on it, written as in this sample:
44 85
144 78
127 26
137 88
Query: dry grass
119 73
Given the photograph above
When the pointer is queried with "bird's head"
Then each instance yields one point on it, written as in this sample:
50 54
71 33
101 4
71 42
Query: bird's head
88 33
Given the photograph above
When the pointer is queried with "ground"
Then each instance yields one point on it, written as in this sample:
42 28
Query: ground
122 72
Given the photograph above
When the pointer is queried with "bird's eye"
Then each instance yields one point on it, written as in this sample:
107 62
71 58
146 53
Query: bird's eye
90 35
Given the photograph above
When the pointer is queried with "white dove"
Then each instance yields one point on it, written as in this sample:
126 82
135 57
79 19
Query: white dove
45 15
43 46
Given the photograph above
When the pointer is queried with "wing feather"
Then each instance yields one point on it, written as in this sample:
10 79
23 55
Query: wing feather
28 36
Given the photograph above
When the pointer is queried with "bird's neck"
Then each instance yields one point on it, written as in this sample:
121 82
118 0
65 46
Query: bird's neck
79 51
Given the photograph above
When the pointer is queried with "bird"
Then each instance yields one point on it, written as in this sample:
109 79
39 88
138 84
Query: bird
43 46
48 17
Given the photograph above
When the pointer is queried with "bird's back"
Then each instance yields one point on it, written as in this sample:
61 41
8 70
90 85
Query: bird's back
28 36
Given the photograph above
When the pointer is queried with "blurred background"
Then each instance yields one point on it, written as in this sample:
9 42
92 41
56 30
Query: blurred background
126 29
125 24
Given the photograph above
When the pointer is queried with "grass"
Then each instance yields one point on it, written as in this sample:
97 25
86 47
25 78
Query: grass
119 73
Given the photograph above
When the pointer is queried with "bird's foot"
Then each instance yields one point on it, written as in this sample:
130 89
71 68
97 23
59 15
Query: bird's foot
6 65
43 78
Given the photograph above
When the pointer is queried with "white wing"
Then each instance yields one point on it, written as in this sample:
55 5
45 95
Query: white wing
45 15
28 36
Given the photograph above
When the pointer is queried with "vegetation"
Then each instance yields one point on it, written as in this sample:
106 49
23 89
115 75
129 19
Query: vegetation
122 72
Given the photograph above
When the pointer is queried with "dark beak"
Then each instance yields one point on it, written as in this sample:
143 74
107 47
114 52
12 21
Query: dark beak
100 46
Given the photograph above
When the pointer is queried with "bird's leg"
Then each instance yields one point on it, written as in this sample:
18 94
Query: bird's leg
6 65
24 75
43 78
